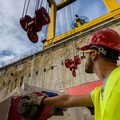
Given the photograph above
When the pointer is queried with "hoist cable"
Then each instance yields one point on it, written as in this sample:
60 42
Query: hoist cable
46 6
70 12
69 16
63 17
40 5
24 8
48 9
37 4
66 15
59 27
46 27
27 7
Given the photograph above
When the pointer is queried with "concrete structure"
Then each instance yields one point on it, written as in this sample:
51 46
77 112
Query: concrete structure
46 69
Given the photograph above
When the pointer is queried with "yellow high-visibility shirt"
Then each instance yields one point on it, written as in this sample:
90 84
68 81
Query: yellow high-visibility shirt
108 106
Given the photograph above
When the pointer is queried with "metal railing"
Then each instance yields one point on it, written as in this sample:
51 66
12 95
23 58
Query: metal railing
20 57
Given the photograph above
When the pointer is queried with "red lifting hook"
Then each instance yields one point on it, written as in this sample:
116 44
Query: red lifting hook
72 64
34 25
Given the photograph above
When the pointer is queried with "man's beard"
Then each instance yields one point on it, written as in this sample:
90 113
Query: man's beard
89 66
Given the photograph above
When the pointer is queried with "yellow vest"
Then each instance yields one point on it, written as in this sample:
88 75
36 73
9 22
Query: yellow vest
108 107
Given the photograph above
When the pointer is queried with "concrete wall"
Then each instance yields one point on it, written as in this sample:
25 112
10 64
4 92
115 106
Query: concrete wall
46 69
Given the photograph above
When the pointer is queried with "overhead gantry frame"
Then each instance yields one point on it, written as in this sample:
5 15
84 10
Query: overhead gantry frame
54 8
112 5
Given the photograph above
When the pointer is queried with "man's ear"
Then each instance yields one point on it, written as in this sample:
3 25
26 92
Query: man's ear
94 55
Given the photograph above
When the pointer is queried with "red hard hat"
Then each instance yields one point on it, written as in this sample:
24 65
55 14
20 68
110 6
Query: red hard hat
107 38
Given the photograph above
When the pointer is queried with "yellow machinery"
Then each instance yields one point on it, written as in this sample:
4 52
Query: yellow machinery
114 11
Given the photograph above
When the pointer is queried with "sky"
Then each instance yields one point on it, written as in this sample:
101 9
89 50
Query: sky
14 41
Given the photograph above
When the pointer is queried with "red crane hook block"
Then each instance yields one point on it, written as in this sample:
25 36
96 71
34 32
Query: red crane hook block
67 63
32 35
42 17
34 25
72 68
74 73
24 22
77 60
72 64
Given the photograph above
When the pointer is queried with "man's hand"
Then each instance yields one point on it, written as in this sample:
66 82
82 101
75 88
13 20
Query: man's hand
30 107
35 99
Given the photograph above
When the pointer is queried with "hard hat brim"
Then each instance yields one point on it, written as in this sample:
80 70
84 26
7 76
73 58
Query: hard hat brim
85 47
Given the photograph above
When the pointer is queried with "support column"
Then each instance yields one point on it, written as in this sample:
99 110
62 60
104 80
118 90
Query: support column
51 26
111 5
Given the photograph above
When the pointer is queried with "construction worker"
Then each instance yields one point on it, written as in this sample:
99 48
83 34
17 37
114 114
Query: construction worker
101 53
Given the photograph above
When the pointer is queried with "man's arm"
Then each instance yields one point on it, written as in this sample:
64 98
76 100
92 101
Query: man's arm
68 101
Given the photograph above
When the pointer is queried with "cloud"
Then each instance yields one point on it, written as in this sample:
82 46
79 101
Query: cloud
13 38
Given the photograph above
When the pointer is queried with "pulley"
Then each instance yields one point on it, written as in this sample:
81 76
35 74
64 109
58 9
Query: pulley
24 22
35 24
67 63
77 60
32 35
42 17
